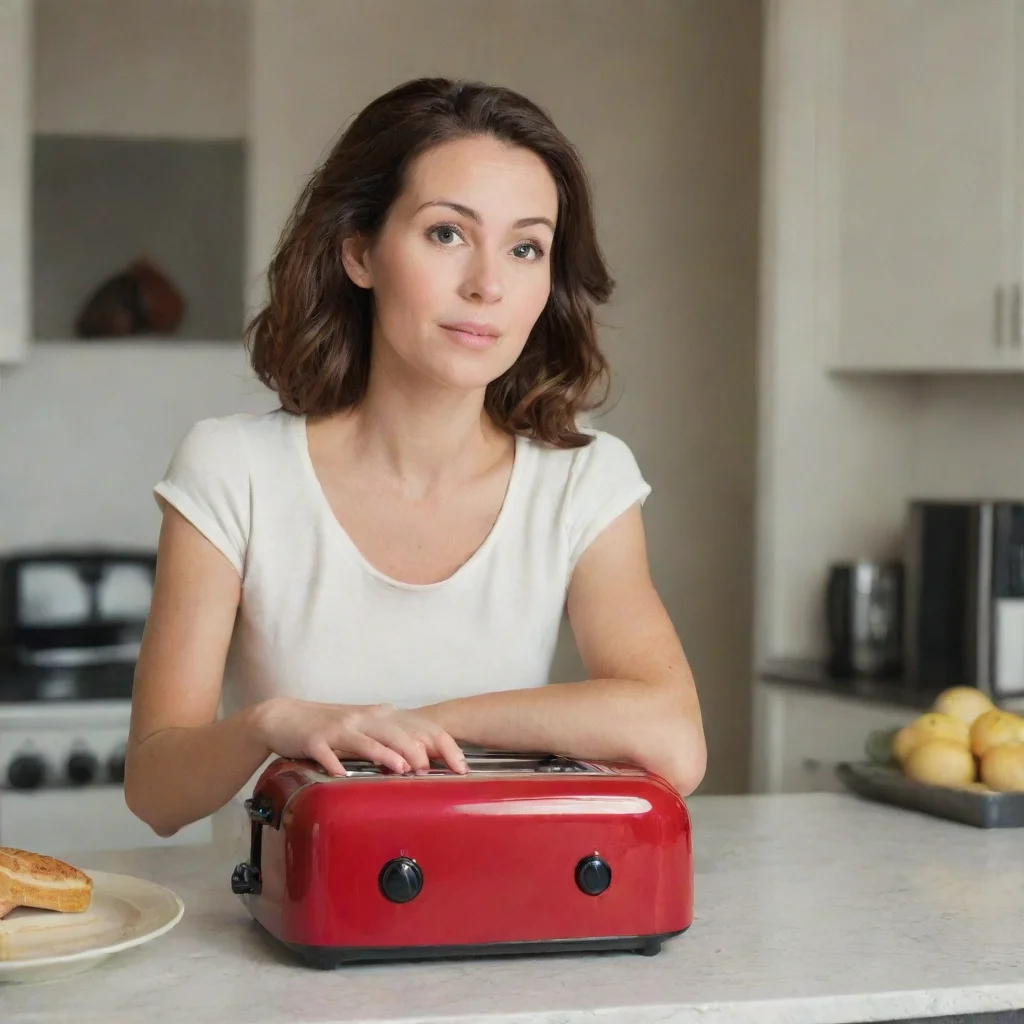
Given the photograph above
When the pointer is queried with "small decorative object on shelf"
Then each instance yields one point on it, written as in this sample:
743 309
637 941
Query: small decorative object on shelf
139 300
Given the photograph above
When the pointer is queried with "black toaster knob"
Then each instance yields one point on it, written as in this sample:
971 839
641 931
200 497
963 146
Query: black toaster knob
593 875
400 880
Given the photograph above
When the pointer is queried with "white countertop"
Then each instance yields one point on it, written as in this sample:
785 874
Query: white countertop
809 908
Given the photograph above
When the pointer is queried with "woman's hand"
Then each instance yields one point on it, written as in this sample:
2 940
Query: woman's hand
400 740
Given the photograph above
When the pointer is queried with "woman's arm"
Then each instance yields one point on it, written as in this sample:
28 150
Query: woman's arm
178 685
182 764
640 704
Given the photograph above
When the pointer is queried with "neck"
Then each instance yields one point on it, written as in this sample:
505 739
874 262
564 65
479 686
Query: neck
422 434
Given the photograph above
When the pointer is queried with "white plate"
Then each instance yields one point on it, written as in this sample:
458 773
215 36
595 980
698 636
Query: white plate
38 945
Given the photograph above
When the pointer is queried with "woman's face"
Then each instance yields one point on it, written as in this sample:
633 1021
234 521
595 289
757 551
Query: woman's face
461 269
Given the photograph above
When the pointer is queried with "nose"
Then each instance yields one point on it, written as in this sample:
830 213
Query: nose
482 282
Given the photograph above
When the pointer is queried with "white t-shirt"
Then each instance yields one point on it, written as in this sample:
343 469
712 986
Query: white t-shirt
318 622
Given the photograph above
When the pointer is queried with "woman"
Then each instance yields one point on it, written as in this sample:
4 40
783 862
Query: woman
378 569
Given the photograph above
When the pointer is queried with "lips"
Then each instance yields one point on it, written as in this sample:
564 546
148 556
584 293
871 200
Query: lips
473 334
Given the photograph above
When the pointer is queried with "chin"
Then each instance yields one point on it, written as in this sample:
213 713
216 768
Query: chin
467 378
467 372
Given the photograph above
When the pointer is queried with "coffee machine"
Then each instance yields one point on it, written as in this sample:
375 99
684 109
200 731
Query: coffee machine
965 596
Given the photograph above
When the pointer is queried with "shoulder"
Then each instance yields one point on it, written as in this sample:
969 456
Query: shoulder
605 454
209 476
225 444
596 482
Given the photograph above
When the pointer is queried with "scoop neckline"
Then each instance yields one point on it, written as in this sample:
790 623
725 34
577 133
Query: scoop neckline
344 538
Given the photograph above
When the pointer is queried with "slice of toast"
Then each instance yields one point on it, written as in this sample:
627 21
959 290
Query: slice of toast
35 880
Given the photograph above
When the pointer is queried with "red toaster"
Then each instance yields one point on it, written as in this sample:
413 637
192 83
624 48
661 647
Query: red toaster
526 853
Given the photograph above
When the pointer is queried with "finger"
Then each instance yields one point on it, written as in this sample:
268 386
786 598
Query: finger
395 737
328 759
449 751
370 749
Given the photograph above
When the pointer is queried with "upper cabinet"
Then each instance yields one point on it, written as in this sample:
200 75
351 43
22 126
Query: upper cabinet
15 143
902 121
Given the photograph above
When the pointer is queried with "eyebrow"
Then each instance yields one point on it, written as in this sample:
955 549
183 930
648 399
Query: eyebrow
526 222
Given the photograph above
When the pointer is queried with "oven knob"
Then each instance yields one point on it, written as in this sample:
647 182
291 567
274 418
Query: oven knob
82 767
115 767
593 875
26 771
400 880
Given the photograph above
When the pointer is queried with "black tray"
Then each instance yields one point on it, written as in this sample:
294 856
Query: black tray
971 807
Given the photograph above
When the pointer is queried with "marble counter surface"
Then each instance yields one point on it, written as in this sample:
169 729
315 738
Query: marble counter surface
809 908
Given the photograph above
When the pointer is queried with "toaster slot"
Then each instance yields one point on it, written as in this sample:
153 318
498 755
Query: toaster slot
487 763
504 764
361 768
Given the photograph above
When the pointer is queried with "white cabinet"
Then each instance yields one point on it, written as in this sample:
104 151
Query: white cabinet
15 139
800 736
895 153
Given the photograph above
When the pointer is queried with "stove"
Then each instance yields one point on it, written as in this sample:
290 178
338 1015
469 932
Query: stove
63 727
70 625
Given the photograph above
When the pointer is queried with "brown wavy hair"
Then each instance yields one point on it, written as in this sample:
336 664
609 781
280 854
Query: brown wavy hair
310 343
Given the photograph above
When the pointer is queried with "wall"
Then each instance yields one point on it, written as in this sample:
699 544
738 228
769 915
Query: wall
135 67
968 438
86 431
661 96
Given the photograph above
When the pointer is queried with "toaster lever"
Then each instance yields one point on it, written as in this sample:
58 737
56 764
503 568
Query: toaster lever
259 808
245 879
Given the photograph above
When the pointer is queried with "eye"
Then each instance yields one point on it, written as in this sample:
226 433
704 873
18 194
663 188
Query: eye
444 234
528 251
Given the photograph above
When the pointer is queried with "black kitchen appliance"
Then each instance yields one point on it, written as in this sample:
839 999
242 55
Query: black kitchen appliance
865 613
74 607
965 595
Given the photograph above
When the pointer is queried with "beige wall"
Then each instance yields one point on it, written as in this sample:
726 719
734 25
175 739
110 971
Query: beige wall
661 96
968 438
141 67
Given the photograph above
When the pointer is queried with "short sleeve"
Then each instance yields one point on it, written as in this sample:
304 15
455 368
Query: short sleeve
207 481
605 482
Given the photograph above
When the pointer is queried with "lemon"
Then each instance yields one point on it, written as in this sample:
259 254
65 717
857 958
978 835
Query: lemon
903 743
993 728
963 702
940 762
931 725
1002 767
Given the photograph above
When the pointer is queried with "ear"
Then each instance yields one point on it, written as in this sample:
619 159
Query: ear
355 258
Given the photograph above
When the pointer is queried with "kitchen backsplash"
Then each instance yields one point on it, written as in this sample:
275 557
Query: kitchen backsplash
85 432
969 438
